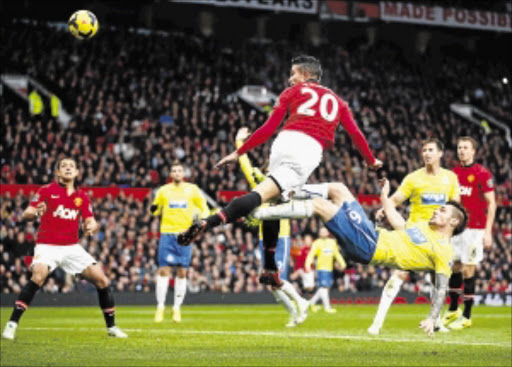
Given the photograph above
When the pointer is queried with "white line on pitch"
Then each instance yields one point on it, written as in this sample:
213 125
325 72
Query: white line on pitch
283 334
191 311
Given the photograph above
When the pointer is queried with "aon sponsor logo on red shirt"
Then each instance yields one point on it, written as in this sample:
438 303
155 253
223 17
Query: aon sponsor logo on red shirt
466 191
65 213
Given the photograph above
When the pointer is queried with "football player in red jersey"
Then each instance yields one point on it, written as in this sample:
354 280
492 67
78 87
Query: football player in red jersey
312 113
477 196
59 206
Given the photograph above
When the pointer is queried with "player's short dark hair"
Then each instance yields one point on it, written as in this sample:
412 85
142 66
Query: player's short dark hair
461 215
435 141
470 139
65 158
310 64
177 163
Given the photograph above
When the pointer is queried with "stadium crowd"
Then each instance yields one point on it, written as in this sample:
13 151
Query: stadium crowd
139 101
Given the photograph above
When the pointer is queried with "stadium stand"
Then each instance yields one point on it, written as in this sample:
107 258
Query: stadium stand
139 101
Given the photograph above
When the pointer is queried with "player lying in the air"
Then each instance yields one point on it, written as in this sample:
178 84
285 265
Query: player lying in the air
420 246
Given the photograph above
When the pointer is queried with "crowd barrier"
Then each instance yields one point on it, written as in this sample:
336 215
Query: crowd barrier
88 297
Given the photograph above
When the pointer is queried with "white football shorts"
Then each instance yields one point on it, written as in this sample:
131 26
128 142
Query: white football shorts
468 247
73 259
293 157
308 279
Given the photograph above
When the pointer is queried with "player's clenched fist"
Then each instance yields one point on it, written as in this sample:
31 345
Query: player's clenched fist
41 209
242 134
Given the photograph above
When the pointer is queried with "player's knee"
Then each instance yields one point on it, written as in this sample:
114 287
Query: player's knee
181 273
338 193
38 279
324 209
164 271
39 274
102 282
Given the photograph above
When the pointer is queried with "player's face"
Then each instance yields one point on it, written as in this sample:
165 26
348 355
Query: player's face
431 154
177 173
323 233
465 151
442 216
297 75
67 170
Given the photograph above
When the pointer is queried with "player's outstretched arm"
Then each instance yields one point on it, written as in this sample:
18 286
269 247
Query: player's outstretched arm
490 197
231 158
438 297
394 218
397 198
32 213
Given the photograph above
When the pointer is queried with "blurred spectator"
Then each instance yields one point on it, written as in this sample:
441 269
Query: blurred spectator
140 101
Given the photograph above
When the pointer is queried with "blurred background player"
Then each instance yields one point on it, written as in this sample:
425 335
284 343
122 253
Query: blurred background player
326 251
312 112
178 204
59 206
427 189
478 197
416 246
276 254
307 276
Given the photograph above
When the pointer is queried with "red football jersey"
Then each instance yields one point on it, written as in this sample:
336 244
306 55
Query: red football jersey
474 181
300 260
314 110
60 223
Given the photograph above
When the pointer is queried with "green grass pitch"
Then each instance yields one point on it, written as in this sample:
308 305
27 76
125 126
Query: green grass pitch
235 335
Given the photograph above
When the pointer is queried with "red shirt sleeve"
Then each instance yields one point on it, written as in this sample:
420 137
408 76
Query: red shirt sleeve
357 137
486 181
86 207
266 130
39 197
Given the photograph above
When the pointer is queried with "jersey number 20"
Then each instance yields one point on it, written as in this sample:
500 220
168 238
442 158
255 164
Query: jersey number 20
327 101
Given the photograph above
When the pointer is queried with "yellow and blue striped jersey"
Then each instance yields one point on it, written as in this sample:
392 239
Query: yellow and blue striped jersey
428 192
254 176
178 206
417 248
326 251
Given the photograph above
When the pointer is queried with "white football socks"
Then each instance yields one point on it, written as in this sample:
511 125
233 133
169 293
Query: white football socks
316 297
285 300
389 293
312 191
291 292
324 296
294 209
180 288
162 284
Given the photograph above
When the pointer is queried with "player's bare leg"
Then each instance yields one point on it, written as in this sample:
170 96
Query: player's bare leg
39 274
180 289
162 286
237 208
95 275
